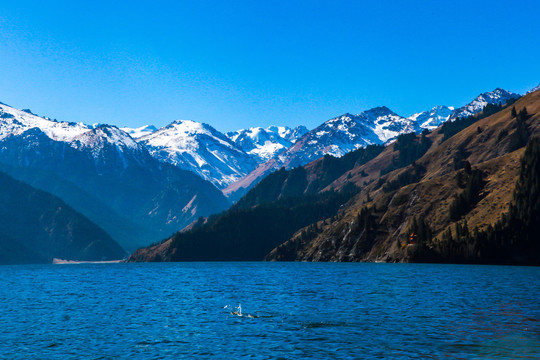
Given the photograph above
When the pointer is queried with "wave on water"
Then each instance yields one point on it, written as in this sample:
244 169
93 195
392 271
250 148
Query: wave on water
237 311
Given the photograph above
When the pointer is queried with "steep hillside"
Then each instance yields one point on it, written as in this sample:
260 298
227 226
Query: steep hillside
36 227
434 209
248 230
308 179
240 234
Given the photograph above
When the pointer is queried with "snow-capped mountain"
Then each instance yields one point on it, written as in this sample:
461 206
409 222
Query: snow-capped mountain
345 133
140 131
348 132
93 140
536 88
492 97
201 149
433 118
106 175
263 144
15 122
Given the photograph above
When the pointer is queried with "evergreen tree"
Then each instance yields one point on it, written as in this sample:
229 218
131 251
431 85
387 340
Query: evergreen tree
464 201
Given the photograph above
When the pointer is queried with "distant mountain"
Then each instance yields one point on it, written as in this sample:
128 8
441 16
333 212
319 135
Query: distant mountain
136 133
36 227
106 175
492 97
345 133
433 118
201 149
263 144
335 137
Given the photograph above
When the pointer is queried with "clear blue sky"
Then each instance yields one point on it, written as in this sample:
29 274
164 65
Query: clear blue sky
235 64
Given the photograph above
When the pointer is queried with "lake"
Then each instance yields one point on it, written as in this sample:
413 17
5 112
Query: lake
288 310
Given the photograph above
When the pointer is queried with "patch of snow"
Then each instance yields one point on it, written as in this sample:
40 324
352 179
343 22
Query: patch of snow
15 122
263 144
136 133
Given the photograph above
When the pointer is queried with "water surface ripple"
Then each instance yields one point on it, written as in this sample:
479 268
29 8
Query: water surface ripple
288 311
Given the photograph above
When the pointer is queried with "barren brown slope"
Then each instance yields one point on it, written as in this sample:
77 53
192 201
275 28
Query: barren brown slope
486 145
154 253
481 140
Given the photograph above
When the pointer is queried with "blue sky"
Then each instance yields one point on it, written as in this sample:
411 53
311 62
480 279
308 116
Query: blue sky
235 64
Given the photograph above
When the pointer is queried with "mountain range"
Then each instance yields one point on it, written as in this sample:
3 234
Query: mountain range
237 160
106 175
347 132
497 96
467 191
140 185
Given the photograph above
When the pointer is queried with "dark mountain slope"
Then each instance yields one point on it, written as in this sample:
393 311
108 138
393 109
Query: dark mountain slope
36 227
267 216
245 234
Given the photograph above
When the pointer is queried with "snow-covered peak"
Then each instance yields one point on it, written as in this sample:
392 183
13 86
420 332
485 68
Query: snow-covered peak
377 112
15 122
373 126
104 135
345 133
296 133
140 131
433 118
493 97
185 135
200 148
263 143
287 133
384 123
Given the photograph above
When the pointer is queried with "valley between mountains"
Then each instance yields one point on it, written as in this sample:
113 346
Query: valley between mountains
450 184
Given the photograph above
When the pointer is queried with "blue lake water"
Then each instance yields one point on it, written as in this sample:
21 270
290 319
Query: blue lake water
288 310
